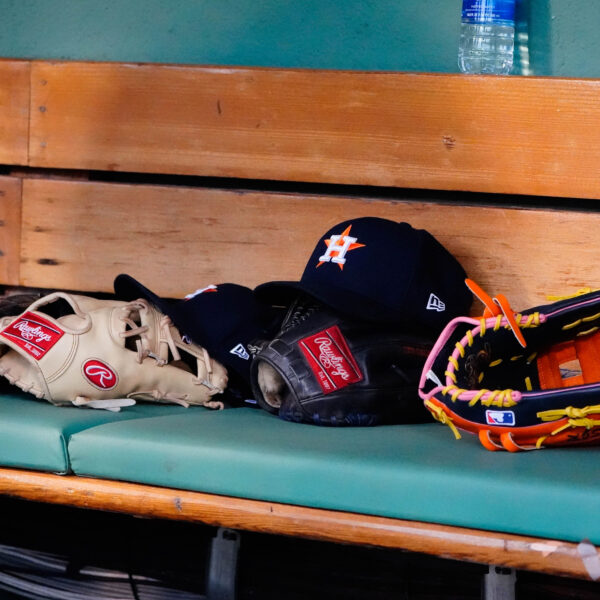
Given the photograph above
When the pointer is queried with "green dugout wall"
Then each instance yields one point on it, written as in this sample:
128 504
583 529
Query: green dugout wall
555 37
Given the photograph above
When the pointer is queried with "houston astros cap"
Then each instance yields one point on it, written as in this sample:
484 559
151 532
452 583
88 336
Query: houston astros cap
382 271
222 318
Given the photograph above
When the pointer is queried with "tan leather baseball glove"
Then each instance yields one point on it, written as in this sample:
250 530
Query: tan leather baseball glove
83 351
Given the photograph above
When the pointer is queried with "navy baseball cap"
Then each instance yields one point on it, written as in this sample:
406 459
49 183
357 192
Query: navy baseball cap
222 318
382 271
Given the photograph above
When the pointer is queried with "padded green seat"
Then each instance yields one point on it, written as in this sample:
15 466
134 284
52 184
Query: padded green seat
33 432
416 472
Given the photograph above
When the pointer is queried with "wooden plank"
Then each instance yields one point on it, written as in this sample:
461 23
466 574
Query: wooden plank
80 235
10 230
511 135
14 111
516 551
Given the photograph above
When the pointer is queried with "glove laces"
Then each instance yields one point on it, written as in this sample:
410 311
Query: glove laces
142 344
300 310
576 417
497 306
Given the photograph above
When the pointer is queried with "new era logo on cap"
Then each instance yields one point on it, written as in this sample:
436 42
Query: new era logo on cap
434 303
240 351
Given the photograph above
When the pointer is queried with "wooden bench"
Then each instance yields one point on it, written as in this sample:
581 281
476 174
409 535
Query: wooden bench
183 175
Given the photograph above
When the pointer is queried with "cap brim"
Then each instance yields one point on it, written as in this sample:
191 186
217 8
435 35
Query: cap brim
282 293
127 288
278 292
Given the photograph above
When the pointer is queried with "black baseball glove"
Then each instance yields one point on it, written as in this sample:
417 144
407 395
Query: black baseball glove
325 369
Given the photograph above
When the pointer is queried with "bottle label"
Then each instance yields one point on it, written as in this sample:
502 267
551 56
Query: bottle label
488 11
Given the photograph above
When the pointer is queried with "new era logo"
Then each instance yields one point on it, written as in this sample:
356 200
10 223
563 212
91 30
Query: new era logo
434 303
240 351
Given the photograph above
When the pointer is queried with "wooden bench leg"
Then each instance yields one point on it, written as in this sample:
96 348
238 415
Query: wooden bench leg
499 584
222 570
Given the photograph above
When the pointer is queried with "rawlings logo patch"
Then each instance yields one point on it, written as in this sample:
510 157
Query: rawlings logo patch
33 334
330 359
99 374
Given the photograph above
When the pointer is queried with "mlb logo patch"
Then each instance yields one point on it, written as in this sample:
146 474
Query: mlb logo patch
500 417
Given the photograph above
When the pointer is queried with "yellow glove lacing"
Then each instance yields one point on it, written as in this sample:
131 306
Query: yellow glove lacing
577 417
500 398
439 414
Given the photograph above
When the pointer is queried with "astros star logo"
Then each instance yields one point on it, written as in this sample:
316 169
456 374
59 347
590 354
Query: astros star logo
338 246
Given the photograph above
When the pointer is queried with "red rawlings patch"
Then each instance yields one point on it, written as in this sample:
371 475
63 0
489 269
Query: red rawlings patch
99 374
33 334
330 359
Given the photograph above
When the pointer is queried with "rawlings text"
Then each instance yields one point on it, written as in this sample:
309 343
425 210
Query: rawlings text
330 359
33 334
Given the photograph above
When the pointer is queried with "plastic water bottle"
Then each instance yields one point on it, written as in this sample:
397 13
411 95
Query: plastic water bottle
487 36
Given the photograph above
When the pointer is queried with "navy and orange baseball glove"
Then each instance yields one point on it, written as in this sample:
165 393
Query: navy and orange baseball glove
519 381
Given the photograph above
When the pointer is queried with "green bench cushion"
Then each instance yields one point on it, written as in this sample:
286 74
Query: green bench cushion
416 472
33 432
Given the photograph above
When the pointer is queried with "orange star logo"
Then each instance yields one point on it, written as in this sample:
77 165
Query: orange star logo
337 248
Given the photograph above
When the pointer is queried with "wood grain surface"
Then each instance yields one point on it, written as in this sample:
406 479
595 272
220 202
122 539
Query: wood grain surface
80 235
517 135
521 552
14 112
10 230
